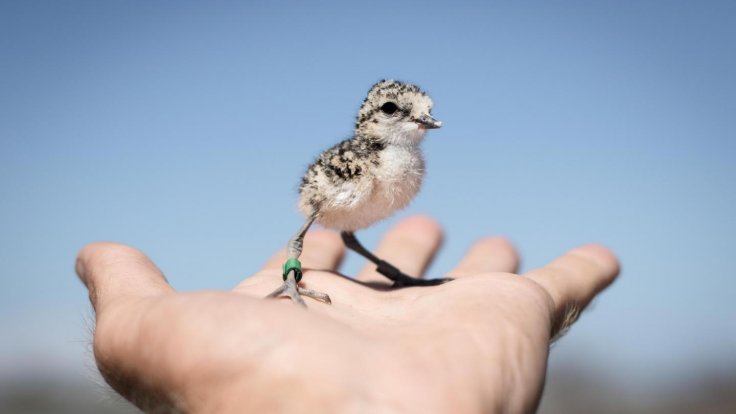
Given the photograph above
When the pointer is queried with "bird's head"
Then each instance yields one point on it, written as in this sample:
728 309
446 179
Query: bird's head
396 113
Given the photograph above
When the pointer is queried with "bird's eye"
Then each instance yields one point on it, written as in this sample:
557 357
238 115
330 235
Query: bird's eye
389 108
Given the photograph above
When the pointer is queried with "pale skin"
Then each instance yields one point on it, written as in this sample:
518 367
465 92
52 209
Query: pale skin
476 344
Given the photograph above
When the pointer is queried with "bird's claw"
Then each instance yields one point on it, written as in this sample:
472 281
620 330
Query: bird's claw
411 281
401 280
290 287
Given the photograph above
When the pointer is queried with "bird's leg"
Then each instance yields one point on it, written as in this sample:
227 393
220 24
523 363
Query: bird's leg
292 273
385 268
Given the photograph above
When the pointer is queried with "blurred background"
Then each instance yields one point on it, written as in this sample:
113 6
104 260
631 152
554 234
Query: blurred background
183 128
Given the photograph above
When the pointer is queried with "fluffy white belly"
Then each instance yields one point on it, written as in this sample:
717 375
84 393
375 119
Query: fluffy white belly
394 184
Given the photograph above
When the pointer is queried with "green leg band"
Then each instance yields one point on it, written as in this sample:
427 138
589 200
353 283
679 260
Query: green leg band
296 266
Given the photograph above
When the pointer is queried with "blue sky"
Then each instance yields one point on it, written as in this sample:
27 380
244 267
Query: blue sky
183 128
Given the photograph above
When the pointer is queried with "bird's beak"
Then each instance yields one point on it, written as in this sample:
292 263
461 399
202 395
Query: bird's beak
428 122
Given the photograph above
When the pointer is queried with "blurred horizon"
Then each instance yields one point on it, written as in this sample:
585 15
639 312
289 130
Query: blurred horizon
183 129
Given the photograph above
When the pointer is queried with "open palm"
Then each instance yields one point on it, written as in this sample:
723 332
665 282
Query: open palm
476 344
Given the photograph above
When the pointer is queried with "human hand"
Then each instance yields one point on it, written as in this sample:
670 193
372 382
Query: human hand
477 344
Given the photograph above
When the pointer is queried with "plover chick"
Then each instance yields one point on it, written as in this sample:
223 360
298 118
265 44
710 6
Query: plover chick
365 178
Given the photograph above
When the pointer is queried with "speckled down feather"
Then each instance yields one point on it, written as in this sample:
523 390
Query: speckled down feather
376 172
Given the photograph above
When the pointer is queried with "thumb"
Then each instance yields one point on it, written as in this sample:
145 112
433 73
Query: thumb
574 279
112 271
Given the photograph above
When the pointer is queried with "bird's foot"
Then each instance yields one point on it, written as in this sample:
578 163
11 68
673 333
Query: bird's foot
293 291
385 268
402 280
290 287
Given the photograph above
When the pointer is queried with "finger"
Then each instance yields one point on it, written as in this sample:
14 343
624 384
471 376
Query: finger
323 250
573 279
493 254
111 271
410 246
